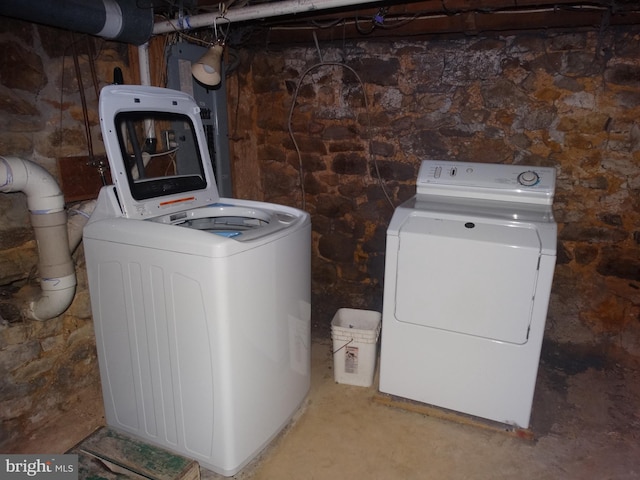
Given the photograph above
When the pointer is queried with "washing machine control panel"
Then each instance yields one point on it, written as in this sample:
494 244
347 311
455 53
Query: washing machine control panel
516 183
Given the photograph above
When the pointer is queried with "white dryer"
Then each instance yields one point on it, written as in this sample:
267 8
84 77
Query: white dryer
201 304
468 273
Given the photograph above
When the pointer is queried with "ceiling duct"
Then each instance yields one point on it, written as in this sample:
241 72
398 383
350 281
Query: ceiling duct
120 20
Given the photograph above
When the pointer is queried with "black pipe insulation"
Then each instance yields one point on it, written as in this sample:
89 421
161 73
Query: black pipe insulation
120 20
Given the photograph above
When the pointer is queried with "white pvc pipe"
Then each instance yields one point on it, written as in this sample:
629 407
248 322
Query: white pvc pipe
49 220
145 79
260 11
43 193
143 64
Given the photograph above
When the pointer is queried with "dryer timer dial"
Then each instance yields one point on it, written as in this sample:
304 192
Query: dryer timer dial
528 178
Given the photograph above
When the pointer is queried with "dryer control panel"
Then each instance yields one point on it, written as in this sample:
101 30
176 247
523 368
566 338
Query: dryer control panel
511 183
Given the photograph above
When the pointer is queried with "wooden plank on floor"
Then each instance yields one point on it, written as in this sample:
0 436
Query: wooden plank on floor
449 415
124 456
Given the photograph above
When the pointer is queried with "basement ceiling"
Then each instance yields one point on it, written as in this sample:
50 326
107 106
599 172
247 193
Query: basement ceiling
389 19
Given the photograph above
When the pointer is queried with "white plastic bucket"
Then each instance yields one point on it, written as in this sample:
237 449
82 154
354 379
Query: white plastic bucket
355 340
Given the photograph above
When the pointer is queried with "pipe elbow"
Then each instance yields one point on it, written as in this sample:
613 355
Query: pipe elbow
55 297
49 221
42 190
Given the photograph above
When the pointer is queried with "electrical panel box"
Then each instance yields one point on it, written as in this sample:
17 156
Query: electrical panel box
213 108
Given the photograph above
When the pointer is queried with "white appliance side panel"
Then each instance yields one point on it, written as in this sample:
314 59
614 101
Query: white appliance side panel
223 344
477 281
154 343
133 281
160 338
193 373
265 311
113 340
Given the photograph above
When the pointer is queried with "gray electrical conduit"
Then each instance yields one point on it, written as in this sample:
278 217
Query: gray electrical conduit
55 243
121 20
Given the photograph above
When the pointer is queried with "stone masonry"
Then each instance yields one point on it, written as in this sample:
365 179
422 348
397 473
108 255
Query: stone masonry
47 368
365 118
361 123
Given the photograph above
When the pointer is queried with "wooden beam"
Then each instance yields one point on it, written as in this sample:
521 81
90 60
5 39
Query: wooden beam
451 416
438 23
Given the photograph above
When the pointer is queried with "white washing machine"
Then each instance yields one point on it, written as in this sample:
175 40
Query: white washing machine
201 304
469 266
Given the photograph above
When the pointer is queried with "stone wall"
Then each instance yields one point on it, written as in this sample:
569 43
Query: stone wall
564 100
48 368
570 101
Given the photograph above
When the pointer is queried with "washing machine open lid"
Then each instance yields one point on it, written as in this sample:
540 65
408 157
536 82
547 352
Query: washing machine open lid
157 150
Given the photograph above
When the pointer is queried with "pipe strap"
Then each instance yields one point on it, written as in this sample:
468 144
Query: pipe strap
49 219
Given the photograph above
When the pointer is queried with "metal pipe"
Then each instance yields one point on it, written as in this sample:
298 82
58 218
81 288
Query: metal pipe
242 14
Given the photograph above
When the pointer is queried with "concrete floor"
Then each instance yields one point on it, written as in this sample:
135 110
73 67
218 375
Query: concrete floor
585 422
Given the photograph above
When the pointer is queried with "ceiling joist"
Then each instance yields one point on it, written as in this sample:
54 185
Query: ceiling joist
293 20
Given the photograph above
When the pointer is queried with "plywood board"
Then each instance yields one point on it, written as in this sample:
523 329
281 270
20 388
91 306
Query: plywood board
111 454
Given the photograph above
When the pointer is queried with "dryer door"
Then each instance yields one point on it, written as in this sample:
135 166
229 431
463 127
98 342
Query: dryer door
467 276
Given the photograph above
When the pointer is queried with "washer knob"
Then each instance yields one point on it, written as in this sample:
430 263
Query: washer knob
528 178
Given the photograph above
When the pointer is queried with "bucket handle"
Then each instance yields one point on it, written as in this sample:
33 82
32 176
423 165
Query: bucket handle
336 351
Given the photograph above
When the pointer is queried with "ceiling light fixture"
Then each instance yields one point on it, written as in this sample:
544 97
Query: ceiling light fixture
207 70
